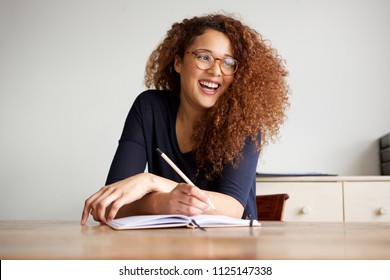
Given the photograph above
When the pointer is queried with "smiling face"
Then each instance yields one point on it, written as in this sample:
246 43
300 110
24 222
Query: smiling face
201 88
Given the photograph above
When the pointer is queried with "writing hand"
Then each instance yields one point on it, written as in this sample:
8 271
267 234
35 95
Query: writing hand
187 200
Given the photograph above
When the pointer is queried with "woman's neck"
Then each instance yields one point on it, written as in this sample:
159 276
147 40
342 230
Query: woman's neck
185 121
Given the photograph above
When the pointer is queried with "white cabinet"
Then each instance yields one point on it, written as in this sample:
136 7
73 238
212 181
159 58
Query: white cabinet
367 201
331 198
309 201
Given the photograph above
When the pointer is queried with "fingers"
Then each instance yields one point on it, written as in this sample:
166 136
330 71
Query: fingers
104 204
191 200
193 191
97 205
88 208
84 216
115 206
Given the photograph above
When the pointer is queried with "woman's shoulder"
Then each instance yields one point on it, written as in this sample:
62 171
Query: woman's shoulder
159 102
156 96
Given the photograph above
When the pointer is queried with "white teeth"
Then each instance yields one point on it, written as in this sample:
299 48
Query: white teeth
209 84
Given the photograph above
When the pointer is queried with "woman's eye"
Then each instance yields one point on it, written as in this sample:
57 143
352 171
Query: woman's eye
205 57
229 62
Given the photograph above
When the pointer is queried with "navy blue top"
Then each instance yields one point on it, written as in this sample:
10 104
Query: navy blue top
151 124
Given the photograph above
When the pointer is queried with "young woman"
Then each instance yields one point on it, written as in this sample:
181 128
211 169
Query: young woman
220 93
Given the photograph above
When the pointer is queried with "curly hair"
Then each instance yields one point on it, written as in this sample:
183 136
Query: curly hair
253 105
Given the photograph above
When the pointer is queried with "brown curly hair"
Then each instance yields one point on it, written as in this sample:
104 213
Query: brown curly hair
255 103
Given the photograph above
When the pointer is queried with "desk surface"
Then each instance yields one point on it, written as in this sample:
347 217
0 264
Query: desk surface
273 240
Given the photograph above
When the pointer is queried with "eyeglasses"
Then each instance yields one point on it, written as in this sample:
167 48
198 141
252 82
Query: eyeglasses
205 61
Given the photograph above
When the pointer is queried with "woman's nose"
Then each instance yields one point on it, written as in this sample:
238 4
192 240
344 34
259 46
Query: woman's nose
216 68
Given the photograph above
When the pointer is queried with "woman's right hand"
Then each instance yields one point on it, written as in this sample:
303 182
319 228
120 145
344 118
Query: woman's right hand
184 199
104 204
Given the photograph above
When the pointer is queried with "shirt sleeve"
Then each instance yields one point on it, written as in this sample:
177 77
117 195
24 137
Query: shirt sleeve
240 181
130 156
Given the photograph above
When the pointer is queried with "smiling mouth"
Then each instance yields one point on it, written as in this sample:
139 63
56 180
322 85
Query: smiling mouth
209 86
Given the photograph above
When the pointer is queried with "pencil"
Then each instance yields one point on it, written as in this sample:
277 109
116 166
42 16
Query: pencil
178 171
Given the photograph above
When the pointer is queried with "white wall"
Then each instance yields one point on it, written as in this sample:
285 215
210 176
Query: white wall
70 70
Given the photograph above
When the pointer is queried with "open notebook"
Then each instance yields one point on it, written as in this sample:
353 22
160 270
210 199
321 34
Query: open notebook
164 221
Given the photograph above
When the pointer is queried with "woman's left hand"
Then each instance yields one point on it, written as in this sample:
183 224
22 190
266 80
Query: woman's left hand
184 199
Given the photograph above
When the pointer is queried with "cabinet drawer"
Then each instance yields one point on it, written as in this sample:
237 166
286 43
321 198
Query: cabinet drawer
367 201
309 201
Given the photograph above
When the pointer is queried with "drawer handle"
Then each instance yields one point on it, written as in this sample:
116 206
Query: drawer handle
382 211
306 210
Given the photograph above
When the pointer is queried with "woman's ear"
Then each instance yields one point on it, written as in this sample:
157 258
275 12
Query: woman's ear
178 64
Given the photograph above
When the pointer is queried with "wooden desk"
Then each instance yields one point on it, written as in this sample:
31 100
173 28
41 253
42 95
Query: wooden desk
273 240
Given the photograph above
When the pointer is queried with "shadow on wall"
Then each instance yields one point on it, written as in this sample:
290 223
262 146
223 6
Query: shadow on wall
368 159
